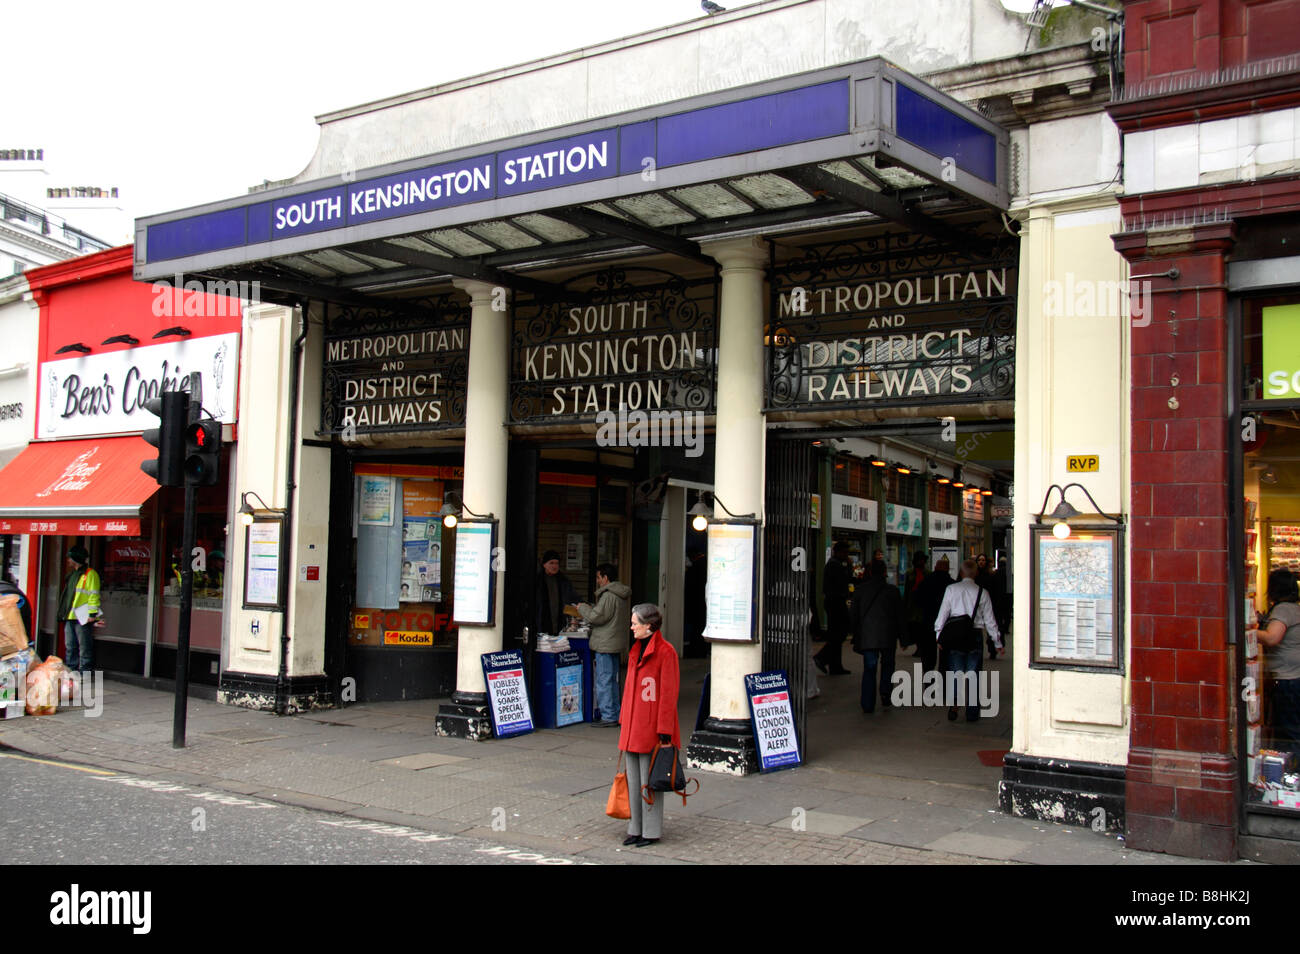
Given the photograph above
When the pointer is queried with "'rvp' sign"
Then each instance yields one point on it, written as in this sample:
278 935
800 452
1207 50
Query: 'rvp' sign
1082 464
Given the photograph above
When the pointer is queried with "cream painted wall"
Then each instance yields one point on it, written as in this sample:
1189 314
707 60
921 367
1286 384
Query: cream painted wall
763 41
1072 386
259 467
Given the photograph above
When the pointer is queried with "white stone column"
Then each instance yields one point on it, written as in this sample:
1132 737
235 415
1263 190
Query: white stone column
487 443
726 742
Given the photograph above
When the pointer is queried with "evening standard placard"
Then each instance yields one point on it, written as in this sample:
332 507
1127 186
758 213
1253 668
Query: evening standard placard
729 595
773 720
507 693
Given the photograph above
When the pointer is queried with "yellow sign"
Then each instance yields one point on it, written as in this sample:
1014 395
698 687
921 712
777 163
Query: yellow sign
1082 464
394 637
360 620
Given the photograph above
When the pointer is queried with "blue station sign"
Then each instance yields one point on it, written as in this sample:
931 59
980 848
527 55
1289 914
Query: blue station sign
856 110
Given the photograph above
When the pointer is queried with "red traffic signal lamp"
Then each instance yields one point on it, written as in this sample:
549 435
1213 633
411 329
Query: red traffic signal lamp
172 410
202 453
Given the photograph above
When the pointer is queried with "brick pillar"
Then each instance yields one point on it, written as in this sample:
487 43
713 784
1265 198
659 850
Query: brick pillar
1181 792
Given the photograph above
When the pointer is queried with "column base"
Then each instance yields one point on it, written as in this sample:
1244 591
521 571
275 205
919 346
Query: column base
725 746
1055 790
257 691
465 716
1182 803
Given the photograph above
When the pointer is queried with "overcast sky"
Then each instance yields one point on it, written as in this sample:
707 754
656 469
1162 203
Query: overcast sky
182 103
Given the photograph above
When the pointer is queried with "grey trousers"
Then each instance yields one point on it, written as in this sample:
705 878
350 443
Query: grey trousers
647 820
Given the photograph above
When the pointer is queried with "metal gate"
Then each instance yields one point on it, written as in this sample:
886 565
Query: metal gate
787 564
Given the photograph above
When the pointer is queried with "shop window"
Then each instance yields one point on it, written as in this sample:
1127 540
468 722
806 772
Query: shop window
208 567
564 519
402 595
1271 529
124 586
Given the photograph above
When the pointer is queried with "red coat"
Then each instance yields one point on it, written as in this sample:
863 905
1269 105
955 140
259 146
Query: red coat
650 695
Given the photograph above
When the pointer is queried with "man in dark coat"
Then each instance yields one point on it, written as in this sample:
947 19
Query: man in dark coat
835 592
877 619
554 592
930 597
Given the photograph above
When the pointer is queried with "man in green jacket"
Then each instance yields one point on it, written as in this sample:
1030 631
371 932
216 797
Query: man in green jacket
610 620
79 609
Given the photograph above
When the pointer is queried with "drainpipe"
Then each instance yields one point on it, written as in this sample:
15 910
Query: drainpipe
290 486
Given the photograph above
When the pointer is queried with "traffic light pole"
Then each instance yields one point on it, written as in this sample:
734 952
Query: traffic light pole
183 635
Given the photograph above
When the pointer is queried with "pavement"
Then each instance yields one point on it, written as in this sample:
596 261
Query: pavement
898 787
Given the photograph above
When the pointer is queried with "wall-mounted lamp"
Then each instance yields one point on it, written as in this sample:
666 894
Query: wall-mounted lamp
986 493
702 513
902 468
942 480
877 462
75 346
247 512
453 508
131 340
178 331
1064 511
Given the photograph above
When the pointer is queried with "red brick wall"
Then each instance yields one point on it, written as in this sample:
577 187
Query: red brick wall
1180 793
1172 37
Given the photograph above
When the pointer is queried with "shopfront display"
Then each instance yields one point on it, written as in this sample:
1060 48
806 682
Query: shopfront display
403 596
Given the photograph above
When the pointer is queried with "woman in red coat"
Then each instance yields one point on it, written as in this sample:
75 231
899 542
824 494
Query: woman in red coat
648 716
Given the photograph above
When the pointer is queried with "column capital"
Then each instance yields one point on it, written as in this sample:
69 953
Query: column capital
480 292
751 252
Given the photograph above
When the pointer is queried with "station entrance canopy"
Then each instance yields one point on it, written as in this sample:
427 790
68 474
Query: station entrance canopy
857 143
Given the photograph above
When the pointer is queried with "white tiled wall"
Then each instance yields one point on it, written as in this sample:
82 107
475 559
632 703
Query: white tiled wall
1222 150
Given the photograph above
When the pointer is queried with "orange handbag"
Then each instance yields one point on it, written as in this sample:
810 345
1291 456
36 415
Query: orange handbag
617 805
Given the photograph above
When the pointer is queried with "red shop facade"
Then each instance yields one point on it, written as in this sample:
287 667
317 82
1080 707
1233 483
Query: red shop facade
107 344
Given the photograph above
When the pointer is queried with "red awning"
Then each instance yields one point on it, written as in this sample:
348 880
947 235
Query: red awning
91 487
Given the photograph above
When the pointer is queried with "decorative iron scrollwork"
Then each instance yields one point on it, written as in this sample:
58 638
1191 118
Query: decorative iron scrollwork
642 338
891 320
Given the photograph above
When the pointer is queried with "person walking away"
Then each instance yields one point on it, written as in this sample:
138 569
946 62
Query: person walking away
965 598
609 619
877 620
984 580
835 593
649 716
912 610
553 593
79 610
1280 635
930 596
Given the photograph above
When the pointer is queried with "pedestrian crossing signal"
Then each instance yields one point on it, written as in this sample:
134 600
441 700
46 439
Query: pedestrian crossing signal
202 453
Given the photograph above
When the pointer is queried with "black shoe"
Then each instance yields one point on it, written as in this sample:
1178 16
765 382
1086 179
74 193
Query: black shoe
820 665
644 842
952 714
631 839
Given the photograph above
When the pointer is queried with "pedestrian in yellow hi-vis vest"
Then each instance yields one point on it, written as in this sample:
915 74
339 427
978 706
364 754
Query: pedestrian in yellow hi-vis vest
79 609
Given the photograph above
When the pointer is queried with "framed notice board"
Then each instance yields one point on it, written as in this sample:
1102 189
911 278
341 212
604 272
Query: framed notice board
731 596
475 584
1077 607
264 564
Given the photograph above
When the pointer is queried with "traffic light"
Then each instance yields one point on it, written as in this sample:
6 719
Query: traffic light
202 452
172 410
